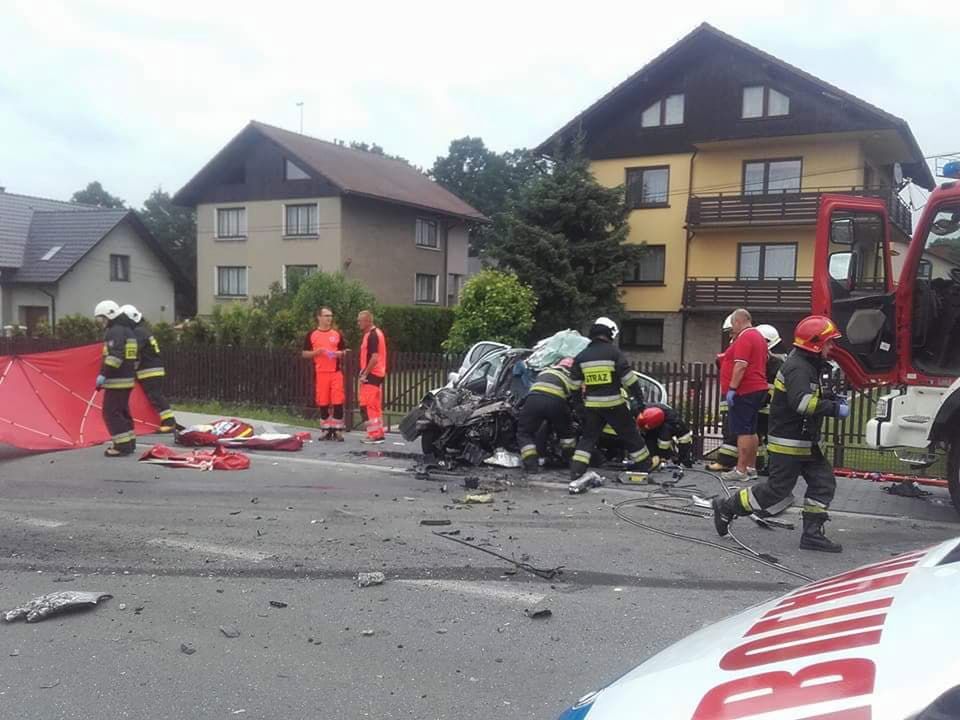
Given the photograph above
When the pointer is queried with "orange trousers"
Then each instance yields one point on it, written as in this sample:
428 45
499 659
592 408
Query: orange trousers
371 403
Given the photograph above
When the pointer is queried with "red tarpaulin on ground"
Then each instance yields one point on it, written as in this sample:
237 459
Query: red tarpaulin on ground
48 401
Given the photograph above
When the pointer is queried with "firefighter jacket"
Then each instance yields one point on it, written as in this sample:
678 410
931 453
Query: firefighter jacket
554 381
798 405
774 363
151 364
603 371
119 356
674 427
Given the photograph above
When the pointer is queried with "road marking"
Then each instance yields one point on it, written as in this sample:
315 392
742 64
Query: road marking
337 463
40 522
211 549
484 590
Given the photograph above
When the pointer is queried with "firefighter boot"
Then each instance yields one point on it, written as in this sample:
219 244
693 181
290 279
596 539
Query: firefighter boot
724 512
813 537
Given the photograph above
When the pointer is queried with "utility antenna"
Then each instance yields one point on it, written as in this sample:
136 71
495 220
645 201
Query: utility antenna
300 105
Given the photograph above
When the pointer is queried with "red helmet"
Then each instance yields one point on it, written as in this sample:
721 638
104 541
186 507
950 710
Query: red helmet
652 417
813 331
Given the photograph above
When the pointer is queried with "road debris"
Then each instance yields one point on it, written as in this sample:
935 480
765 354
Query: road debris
366 579
278 604
545 573
367 633
479 499
503 458
187 648
122 606
539 612
589 479
53 604
230 631
49 685
435 523
472 482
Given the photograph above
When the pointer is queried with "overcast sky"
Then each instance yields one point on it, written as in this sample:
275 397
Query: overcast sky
140 95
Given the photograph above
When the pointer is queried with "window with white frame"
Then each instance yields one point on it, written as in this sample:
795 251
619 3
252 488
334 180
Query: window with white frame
756 261
120 268
454 286
231 281
668 111
426 288
300 219
427 233
760 101
231 222
294 274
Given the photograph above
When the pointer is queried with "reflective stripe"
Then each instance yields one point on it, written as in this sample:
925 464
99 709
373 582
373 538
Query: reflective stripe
119 384
779 507
746 499
603 401
528 451
575 384
166 414
124 437
111 361
549 390
598 364
568 443
778 385
151 373
765 410
130 349
811 509
664 444
629 379
788 450
790 442
561 376
640 455
808 404
608 430
730 450
581 456
723 406
684 439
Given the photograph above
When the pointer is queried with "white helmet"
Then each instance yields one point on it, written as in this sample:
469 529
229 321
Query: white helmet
728 323
108 309
610 325
131 312
770 334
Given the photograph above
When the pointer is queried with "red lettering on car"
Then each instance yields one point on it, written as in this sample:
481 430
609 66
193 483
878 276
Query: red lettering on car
779 623
835 592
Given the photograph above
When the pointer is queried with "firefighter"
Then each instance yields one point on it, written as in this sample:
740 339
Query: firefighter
150 371
796 412
373 370
727 452
326 346
774 362
116 377
662 426
603 372
547 403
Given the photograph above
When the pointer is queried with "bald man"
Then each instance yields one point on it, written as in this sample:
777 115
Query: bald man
373 370
746 393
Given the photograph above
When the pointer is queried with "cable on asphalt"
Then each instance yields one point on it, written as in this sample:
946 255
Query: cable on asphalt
545 573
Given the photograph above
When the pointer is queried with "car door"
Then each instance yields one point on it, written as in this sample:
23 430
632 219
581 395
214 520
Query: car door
853 285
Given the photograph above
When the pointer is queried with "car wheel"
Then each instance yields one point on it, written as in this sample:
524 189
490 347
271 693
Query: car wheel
428 441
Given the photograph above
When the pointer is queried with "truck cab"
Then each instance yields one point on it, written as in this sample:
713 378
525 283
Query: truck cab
901 330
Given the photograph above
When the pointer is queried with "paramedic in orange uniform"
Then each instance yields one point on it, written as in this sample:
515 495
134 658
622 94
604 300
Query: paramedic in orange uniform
373 369
326 346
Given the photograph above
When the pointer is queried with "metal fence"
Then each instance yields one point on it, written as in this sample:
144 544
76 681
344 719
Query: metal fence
276 378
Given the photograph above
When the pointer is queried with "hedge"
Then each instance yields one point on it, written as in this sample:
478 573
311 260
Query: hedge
415 329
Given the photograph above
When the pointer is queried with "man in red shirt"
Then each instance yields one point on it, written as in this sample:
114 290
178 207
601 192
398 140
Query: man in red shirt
746 393
727 452
373 370
326 346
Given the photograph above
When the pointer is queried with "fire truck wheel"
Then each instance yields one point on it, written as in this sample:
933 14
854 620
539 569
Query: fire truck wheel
953 472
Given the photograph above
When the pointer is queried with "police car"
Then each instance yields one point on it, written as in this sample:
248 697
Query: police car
870 644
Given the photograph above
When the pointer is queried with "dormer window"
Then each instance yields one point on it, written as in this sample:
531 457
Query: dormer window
760 101
668 111
293 171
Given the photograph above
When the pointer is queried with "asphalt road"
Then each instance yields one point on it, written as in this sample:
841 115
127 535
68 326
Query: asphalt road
185 552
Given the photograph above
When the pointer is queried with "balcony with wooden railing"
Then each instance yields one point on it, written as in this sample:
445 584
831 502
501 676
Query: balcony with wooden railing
783 208
721 294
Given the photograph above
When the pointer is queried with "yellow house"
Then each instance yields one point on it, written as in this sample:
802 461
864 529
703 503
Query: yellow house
723 152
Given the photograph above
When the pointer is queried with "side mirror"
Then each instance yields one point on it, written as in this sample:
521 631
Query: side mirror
842 268
453 377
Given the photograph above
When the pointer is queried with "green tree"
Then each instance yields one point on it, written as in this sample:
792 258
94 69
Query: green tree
175 228
490 181
94 194
344 296
567 239
78 329
493 306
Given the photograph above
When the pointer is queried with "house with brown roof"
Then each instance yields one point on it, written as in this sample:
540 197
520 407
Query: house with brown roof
59 258
274 203
723 152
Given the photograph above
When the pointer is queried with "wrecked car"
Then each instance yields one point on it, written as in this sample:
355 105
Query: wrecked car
476 412
859 645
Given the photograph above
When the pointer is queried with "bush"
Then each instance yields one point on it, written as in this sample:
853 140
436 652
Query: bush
415 329
344 296
493 306
78 329
196 332
165 334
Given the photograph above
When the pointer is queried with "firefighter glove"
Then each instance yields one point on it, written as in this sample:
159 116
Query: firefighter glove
731 395
100 381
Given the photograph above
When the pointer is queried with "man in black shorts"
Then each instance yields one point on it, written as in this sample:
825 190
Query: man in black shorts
747 393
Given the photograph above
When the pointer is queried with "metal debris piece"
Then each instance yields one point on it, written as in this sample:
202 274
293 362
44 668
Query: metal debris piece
367 633
539 612
187 648
49 685
435 523
230 631
366 579
545 573
504 458
54 603
278 604
589 479
479 499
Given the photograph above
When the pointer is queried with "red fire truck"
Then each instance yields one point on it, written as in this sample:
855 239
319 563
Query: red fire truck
899 311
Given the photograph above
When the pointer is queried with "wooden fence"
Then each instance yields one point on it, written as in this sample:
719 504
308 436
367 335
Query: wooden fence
266 377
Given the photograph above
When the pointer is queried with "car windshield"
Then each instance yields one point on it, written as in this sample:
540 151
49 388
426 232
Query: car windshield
482 375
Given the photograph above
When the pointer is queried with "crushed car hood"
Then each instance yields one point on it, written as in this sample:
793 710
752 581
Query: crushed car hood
875 643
